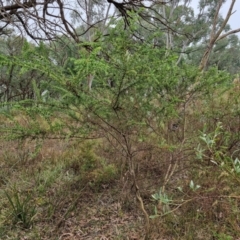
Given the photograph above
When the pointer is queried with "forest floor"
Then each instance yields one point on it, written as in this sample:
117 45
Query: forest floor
71 189
65 205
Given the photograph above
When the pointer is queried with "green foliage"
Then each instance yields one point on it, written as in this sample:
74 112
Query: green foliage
104 174
16 76
137 70
163 201
223 236
215 152
88 159
22 208
90 167
150 121
193 186
47 177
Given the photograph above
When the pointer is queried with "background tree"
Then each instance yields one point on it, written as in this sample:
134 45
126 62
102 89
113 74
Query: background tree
15 84
217 29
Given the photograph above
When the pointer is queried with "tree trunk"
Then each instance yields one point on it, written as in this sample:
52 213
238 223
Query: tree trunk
216 34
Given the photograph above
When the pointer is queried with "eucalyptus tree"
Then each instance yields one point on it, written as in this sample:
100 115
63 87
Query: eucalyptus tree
192 34
219 28
225 54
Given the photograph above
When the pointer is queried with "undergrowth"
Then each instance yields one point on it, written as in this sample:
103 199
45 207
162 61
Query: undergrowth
155 157
189 186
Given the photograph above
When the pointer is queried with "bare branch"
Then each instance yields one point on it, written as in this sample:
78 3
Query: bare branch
215 35
228 33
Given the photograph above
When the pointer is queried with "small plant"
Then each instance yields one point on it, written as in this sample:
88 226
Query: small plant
47 177
22 209
105 174
223 236
236 166
193 186
163 203
213 149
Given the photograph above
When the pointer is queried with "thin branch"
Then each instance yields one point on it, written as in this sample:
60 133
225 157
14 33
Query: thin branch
228 33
